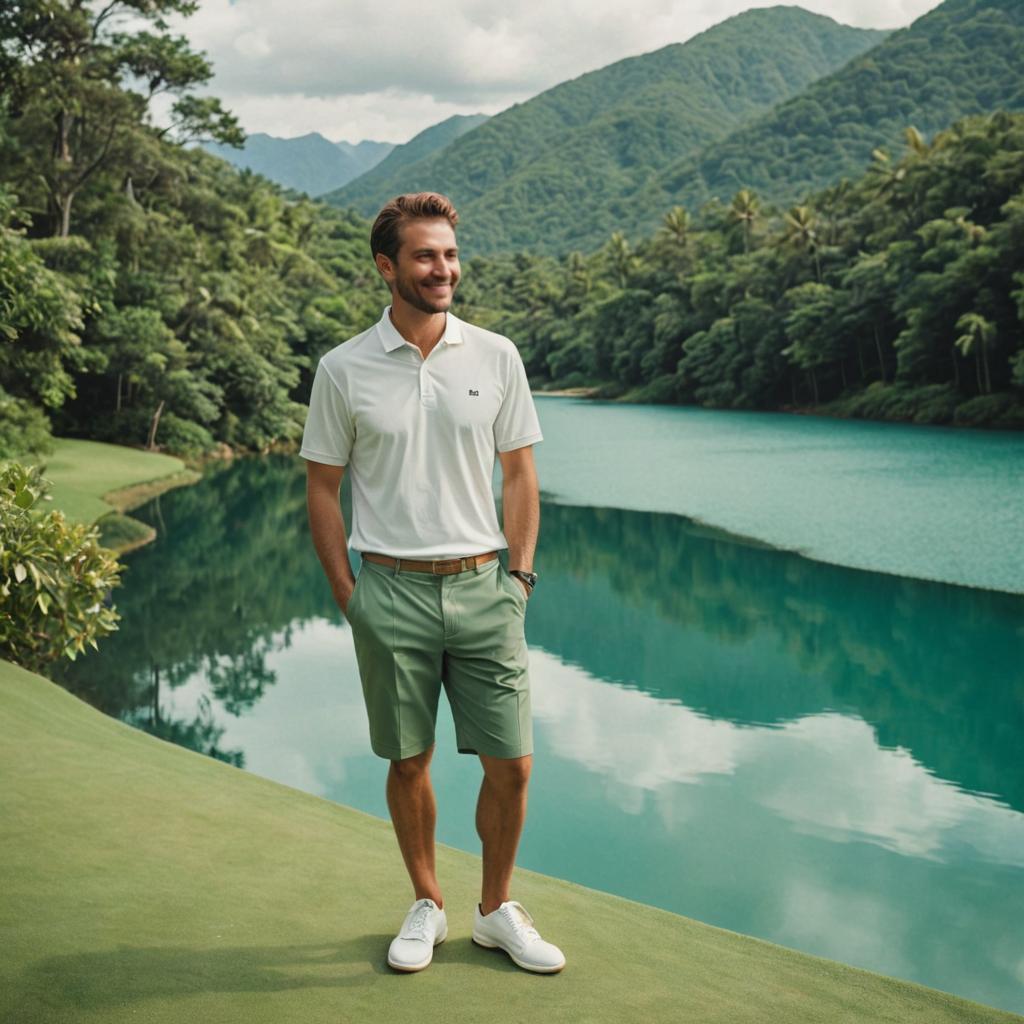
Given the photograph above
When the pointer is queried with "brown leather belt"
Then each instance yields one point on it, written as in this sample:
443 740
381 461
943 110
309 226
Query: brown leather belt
439 566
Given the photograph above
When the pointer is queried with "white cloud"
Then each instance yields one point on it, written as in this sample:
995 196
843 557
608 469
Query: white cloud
354 71
826 773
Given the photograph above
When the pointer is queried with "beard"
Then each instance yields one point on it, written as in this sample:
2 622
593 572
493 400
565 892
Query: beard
411 295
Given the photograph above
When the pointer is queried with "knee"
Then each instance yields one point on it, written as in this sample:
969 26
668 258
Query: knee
509 773
412 769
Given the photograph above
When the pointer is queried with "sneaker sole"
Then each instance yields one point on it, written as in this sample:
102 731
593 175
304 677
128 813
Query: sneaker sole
412 968
537 969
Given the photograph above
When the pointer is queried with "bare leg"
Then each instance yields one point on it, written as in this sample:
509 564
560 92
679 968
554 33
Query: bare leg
414 814
500 813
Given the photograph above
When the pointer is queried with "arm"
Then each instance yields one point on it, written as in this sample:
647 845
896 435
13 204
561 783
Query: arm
520 506
327 525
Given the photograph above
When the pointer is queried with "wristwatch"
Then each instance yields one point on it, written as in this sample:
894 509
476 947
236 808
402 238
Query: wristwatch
529 578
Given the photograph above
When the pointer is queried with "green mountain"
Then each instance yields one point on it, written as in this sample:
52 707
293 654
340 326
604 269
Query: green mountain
309 163
428 141
560 171
965 57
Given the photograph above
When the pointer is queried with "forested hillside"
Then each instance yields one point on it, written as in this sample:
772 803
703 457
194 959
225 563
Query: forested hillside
309 163
419 147
152 294
964 57
561 170
899 295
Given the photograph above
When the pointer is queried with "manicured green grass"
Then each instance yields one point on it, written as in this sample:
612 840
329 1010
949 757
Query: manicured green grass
143 882
83 471
122 533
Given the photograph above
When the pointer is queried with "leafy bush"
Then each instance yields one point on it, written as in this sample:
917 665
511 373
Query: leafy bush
1000 410
24 428
930 403
55 578
175 435
183 437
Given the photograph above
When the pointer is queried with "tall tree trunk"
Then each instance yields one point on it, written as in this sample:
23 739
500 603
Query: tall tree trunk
984 360
842 372
150 444
878 346
814 385
860 360
154 705
119 392
956 370
977 367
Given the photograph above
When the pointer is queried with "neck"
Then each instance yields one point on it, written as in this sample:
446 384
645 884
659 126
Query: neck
424 330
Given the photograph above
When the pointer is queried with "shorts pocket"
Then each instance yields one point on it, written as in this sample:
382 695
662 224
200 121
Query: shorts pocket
517 589
356 591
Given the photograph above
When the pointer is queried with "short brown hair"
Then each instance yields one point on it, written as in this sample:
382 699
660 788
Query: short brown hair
385 237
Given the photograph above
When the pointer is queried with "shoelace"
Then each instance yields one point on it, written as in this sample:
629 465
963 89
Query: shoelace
523 925
417 926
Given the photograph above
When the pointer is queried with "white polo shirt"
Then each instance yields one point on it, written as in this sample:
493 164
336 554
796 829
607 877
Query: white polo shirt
420 436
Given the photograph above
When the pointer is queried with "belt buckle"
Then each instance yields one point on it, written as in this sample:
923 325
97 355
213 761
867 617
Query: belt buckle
450 565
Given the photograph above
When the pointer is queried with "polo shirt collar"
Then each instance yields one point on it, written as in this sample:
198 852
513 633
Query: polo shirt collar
391 339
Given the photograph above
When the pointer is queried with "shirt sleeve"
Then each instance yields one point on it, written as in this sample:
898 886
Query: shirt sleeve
329 430
516 424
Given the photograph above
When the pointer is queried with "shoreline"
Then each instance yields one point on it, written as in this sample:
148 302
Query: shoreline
825 411
173 844
99 483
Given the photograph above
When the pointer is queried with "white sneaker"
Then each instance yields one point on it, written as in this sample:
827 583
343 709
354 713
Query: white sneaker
510 928
424 927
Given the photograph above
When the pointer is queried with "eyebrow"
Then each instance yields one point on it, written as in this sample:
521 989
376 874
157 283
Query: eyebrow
427 249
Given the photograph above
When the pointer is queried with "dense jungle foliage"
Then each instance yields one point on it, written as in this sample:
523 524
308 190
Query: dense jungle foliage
964 57
896 296
564 169
151 294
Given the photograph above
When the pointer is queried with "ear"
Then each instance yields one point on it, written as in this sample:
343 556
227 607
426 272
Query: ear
385 267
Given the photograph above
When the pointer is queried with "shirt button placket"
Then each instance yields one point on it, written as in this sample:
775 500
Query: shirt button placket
427 397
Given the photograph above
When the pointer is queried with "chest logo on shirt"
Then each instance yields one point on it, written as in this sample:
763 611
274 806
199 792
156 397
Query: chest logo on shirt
476 393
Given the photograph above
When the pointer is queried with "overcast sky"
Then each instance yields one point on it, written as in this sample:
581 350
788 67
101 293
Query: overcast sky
360 71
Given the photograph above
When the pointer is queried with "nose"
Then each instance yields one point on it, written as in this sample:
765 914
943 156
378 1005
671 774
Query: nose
446 268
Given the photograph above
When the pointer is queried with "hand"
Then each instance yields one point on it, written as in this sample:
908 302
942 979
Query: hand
343 596
525 586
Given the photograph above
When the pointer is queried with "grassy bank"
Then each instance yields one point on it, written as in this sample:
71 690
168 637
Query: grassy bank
144 882
98 483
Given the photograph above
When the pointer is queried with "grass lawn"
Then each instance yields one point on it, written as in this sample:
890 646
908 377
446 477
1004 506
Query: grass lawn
83 472
140 881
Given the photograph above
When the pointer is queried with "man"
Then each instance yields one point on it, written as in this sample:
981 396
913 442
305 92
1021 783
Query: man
417 407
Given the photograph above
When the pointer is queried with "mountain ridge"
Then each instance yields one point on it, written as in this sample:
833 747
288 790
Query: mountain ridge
618 123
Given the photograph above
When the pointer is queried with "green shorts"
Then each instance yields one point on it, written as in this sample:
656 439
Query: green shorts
416 631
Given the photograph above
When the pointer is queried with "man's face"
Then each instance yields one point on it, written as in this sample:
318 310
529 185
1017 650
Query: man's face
426 271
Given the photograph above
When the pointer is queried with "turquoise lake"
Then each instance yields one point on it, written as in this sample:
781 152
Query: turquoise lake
822 749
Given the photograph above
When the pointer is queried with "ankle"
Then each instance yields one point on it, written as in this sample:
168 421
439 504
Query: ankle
489 906
430 896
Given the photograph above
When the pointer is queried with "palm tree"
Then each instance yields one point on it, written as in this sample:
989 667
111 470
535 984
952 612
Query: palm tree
745 209
801 233
620 257
915 141
676 226
977 336
885 176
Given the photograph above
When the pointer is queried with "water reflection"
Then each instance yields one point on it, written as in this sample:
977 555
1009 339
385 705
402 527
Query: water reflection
778 746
